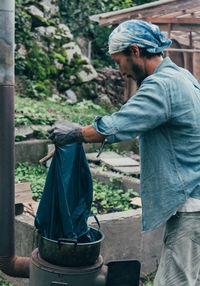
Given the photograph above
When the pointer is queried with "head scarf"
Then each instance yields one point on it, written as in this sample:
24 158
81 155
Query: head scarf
140 33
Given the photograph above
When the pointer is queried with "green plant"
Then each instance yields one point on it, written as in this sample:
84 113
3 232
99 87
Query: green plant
36 175
147 279
4 282
75 15
110 198
107 197
33 112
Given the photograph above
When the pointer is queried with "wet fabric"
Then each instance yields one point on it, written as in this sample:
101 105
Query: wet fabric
180 257
140 33
67 196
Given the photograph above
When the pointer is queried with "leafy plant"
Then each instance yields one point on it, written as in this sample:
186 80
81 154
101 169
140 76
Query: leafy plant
107 197
36 175
147 279
75 15
110 198
4 282
32 112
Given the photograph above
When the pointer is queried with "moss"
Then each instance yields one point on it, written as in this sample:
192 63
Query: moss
59 57
39 21
53 71
40 87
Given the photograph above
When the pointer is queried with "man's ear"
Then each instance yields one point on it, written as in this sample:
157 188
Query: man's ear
134 49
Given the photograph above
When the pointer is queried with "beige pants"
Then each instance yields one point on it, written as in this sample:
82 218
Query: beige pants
180 258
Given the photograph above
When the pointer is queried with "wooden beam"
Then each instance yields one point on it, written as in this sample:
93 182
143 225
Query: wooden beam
173 20
185 41
180 27
131 13
183 50
196 10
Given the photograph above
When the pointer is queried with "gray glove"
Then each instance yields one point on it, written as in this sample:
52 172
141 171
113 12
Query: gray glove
66 135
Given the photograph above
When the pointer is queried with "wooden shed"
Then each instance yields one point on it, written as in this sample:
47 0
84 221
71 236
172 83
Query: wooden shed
180 18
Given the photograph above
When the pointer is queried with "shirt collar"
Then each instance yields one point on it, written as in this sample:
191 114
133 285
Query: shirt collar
165 62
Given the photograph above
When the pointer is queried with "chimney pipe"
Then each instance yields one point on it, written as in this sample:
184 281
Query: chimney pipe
9 263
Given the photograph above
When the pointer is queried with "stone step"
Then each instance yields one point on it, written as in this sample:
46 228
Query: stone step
116 162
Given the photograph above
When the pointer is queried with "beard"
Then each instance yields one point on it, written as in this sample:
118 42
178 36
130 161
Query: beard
140 75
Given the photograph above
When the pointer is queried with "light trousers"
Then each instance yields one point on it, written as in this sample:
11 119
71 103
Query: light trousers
180 258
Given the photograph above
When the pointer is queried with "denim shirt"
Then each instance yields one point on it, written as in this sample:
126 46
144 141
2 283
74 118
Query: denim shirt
165 114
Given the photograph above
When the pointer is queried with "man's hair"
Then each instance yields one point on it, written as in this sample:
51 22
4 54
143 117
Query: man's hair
143 53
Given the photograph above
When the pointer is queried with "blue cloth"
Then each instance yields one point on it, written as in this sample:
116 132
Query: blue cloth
67 196
140 33
165 114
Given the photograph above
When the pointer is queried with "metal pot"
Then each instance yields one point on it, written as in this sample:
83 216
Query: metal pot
70 253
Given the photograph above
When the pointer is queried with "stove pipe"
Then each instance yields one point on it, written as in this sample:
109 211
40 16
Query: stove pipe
9 263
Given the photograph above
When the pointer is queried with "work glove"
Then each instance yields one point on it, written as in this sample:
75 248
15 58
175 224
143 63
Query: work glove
62 135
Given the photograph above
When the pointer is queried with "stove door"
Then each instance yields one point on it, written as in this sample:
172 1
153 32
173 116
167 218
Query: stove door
123 273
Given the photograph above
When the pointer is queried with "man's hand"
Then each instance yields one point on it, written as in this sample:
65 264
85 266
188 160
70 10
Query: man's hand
66 135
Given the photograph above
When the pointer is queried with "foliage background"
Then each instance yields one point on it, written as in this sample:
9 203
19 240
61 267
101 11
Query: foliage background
76 15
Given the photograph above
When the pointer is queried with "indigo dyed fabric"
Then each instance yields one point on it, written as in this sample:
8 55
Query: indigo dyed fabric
140 33
67 197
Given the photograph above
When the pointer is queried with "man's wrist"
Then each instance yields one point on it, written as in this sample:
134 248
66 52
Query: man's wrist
79 136
91 135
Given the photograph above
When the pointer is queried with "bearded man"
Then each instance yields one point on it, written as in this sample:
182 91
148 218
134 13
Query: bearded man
165 114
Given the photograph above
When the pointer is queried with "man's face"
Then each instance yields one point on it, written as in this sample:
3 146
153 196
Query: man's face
131 66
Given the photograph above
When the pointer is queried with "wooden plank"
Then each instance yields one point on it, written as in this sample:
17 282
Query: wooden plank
183 50
183 40
23 192
180 27
131 13
183 12
173 20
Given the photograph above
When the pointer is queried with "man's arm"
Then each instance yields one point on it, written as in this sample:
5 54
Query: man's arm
66 135
90 135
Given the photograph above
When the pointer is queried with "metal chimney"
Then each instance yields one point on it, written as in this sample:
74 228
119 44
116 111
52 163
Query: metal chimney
9 263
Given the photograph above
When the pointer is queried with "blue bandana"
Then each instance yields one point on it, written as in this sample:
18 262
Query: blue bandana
140 33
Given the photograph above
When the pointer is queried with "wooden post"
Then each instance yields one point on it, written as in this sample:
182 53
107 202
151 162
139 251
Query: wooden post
190 55
196 66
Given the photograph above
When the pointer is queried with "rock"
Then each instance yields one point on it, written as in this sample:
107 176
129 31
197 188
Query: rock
34 11
58 64
66 123
65 31
50 7
104 99
71 96
22 50
23 132
88 76
40 31
71 49
37 16
49 31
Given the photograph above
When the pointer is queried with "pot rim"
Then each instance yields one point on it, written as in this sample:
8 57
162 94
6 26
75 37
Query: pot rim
78 244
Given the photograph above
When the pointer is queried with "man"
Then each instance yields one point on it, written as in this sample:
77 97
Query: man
165 114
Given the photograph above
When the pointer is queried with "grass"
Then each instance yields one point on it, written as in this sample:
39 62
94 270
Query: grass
30 111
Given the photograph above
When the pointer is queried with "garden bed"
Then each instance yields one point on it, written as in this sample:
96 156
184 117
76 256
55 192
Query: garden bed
107 197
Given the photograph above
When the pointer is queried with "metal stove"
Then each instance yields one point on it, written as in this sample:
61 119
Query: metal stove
43 273
115 273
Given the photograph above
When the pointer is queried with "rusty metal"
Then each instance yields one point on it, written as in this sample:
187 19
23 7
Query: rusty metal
15 266
9 263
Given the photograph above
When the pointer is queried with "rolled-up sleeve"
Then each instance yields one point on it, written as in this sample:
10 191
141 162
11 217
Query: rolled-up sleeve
149 108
